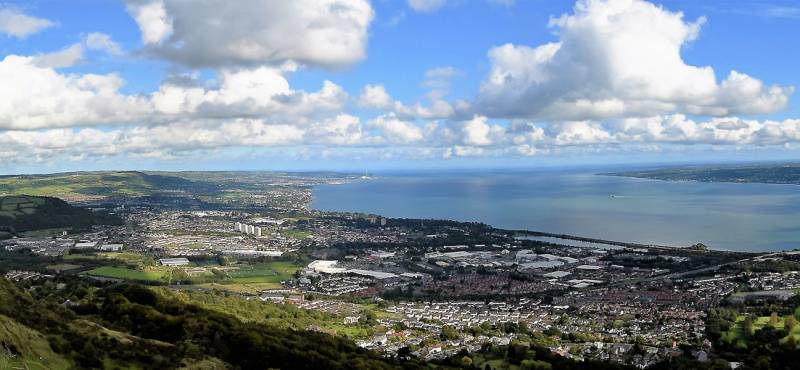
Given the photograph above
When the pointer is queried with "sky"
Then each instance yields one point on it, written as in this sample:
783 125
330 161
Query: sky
395 84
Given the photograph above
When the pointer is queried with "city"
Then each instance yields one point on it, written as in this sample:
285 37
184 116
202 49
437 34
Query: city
424 288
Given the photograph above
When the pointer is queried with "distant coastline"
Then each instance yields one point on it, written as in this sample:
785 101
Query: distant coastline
778 174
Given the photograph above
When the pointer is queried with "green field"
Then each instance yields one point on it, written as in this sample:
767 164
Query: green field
737 336
296 234
125 273
270 272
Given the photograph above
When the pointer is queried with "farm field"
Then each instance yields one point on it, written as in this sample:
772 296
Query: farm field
270 272
125 273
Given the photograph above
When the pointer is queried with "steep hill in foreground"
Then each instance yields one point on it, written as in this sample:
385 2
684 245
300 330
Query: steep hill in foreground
25 213
133 327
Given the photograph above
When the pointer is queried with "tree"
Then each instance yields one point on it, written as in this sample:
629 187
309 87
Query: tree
774 320
466 361
449 333
789 323
535 365
368 317
747 325
791 342
148 262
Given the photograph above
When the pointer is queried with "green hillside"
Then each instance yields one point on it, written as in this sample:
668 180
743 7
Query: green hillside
133 327
25 213
97 184
25 348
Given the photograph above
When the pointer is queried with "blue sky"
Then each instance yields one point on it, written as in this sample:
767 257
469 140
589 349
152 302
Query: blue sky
386 84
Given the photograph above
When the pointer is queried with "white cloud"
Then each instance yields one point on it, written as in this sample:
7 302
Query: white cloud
477 137
15 23
214 33
376 97
249 92
478 132
438 81
103 42
343 129
616 58
73 54
152 18
426 6
66 57
34 95
397 131
580 133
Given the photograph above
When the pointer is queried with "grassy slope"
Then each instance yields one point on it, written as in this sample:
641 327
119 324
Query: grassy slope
98 184
277 315
32 349
66 185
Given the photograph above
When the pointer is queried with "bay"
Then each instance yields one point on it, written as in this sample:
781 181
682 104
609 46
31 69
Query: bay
743 217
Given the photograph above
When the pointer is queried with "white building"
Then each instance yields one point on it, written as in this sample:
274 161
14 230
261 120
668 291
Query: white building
111 247
85 245
174 261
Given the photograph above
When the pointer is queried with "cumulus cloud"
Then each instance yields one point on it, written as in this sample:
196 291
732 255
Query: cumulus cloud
34 95
613 80
376 97
248 92
476 137
16 23
215 33
152 18
479 133
397 131
616 58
